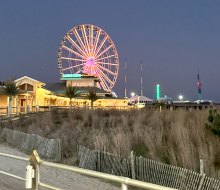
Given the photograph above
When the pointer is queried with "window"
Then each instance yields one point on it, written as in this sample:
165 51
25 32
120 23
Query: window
27 87
22 87
30 87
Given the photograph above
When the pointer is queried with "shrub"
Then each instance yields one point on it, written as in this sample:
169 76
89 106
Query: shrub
214 122
210 117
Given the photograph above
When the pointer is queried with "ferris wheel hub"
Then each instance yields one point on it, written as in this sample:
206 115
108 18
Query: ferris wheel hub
90 67
90 61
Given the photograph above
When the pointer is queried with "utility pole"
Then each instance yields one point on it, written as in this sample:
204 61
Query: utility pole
125 79
141 79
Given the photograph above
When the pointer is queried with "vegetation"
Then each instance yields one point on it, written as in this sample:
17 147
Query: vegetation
92 96
214 122
71 92
175 137
11 90
159 105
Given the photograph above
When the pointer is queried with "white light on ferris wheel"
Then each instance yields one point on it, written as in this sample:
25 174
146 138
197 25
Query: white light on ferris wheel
89 49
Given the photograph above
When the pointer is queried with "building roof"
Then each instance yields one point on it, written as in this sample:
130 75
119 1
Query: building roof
140 98
58 88
29 78
2 91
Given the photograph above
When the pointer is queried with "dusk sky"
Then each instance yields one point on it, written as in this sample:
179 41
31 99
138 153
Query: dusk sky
173 38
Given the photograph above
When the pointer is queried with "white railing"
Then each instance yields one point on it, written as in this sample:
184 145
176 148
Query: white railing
13 157
32 180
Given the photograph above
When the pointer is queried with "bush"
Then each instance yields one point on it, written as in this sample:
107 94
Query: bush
210 117
214 122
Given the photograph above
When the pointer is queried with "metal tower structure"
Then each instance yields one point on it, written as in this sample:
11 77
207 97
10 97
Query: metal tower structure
157 92
199 86
141 79
125 79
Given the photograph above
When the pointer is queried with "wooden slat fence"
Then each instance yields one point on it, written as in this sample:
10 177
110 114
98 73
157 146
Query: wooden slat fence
49 149
145 170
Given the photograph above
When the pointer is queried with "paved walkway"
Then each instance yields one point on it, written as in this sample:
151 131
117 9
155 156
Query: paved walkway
59 178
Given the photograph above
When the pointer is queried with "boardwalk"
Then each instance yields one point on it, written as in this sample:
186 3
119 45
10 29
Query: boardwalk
62 179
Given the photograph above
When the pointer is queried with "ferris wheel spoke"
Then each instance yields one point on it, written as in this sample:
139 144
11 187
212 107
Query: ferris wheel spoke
105 50
105 57
91 37
77 72
85 70
107 70
100 46
104 75
73 59
75 45
96 40
80 41
72 51
73 66
104 84
103 63
85 38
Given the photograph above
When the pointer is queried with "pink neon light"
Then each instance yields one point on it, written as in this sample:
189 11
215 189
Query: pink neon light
90 67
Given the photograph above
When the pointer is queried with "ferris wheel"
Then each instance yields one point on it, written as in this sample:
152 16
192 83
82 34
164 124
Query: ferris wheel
89 49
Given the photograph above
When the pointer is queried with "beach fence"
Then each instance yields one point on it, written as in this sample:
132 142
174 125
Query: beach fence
146 170
49 149
33 173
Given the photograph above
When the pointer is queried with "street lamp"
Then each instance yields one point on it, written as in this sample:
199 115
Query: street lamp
181 97
132 94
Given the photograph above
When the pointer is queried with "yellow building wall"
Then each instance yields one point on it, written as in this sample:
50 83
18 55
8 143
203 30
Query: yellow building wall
3 101
45 97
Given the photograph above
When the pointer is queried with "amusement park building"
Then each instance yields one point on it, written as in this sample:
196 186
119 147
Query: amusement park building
34 93
87 57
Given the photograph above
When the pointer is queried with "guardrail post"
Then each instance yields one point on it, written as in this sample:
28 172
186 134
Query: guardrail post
124 186
35 163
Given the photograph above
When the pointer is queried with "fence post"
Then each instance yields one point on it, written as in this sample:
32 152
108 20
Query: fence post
201 181
132 165
201 166
98 161
35 161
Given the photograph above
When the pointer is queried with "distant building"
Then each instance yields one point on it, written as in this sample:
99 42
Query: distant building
80 80
34 93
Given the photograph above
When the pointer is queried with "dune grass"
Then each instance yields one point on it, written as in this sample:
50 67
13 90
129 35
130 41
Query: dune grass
178 138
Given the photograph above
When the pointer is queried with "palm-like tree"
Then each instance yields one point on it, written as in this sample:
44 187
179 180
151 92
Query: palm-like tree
11 90
71 92
92 96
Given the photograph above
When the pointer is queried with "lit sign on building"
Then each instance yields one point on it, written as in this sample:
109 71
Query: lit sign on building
70 76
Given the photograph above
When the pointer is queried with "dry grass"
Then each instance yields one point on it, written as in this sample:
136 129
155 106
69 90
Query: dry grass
178 138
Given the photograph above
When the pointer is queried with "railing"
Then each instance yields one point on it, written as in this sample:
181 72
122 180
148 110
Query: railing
32 180
13 157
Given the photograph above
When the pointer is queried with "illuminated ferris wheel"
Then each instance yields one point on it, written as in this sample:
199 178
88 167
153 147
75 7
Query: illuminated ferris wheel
89 49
